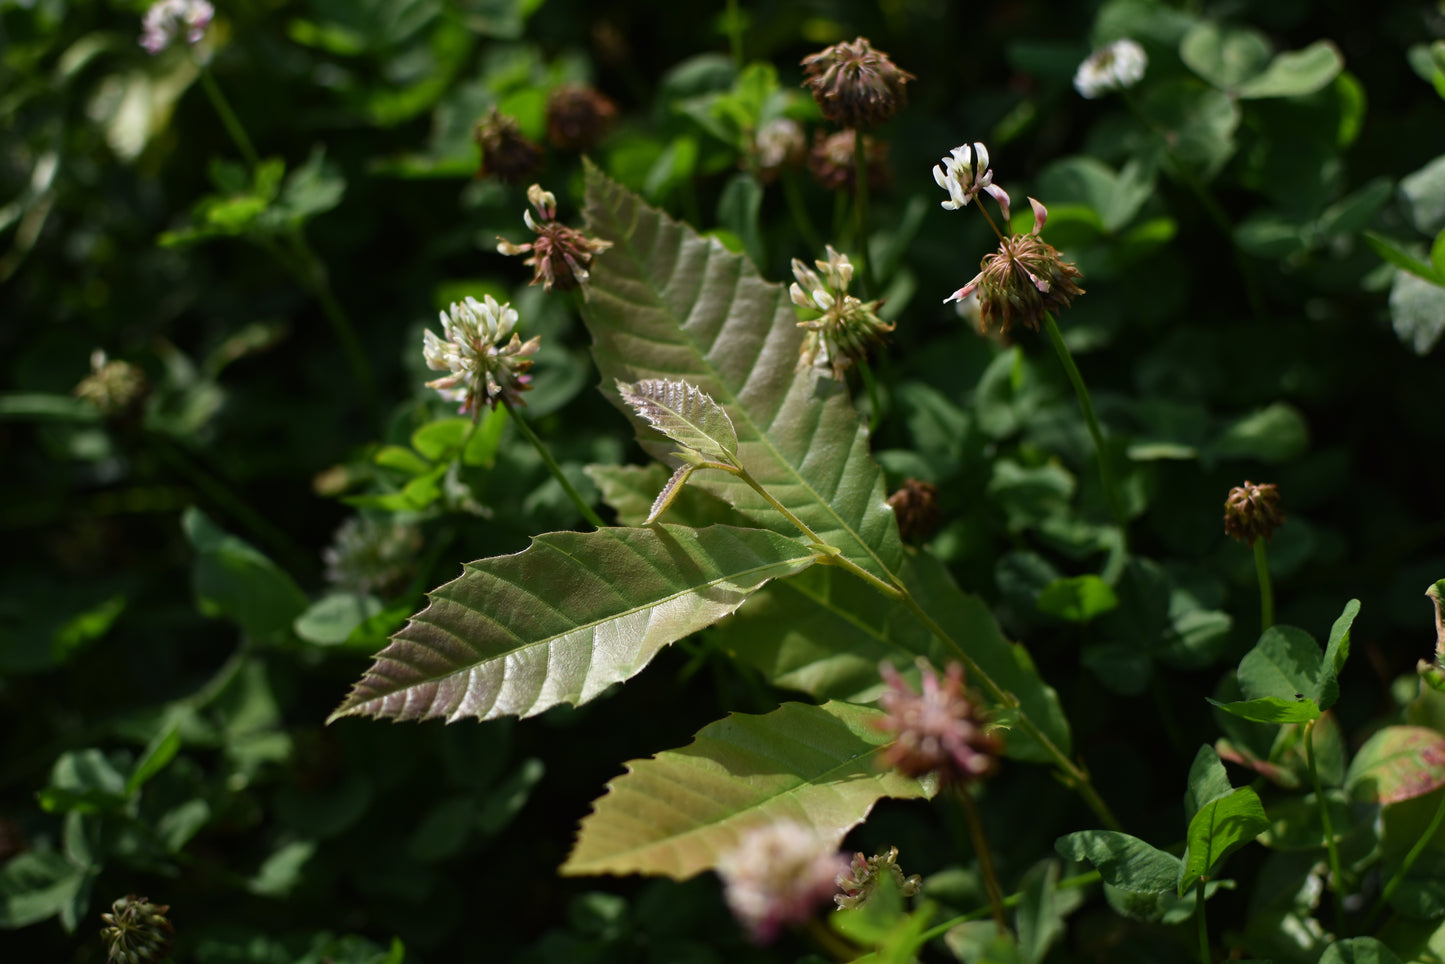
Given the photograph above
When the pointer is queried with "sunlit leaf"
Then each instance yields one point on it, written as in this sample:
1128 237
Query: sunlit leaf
677 813
1220 827
684 414
666 303
1272 709
565 618
1397 763
1123 861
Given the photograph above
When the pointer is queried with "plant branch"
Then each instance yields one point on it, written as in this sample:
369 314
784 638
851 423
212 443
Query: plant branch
985 856
229 120
587 511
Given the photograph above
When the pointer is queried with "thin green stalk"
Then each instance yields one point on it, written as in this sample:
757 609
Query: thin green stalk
985 857
735 34
229 120
587 511
1012 900
1266 588
875 408
311 270
1204 957
860 188
799 212
1331 848
1111 490
1411 856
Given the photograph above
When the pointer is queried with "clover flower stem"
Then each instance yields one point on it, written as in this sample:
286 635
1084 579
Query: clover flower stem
1398 878
875 407
229 120
587 511
989 218
860 187
734 17
801 219
1106 471
1012 900
1331 848
1204 955
1266 588
985 856
308 268
837 948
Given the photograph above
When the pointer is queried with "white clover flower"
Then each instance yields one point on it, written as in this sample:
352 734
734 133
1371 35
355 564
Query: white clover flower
483 369
166 18
964 173
841 327
777 875
1121 64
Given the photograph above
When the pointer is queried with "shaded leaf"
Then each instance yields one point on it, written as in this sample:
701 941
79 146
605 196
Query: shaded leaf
1402 259
1295 73
1358 950
1285 663
1122 861
1397 763
684 414
1039 919
1220 827
236 581
36 885
1077 598
1337 650
565 618
1207 781
1272 709
678 812
666 303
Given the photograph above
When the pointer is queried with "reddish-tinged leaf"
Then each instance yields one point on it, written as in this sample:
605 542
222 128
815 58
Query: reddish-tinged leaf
1398 763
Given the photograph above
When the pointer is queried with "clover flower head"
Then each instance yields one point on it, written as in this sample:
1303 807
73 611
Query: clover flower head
507 154
117 388
855 85
965 172
136 930
1252 511
833 159
1023 280
915 506
485 367
778 144
938 729
1119 65
865 874
561 255
841 328
777 875
368 556
578 117
167 18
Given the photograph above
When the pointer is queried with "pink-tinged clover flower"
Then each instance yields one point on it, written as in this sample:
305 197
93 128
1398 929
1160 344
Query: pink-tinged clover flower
561 255
168 18
866 874
485 367
938 729
778 874
965 172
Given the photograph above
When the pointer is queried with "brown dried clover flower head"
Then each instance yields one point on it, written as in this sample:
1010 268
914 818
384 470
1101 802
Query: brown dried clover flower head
1252 511
117 388
1023 280
866 873
136 931
507 154
561 255
855 86
915 506
832 160
578 117
938 729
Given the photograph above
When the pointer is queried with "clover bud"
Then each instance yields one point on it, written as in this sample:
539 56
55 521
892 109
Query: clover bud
841 328
1252 511
136 930
939 729
561 255
866 874
507 154
855 86
778 874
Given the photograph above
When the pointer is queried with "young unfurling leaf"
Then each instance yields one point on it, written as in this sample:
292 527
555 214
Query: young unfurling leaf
687 415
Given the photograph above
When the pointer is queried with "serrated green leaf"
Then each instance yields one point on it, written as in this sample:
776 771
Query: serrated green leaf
1397 763
666 303
1123 861
631 490
685 414
564 619
1271 709
1220 827
678 812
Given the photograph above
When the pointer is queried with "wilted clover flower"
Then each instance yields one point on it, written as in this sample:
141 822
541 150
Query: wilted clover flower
938 730
964 173
367 556
560 255
1252 511
855 85
578 117
833 158
506 153
841 328
1023 280
136 931
1119 65
485 367
915 506
777 875
778 144
166 18
117 388
866 873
